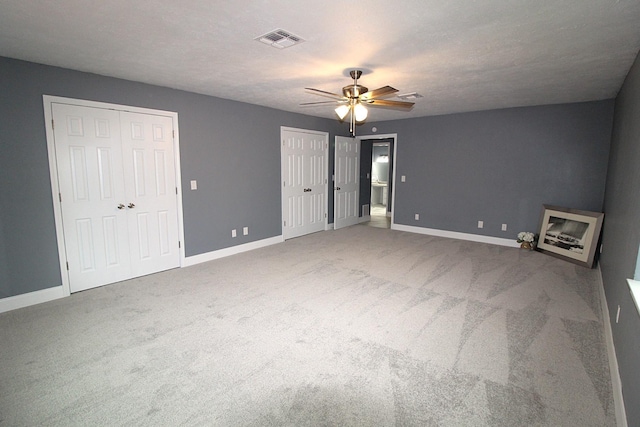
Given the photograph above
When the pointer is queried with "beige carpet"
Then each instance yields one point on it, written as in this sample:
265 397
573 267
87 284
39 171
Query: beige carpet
356 327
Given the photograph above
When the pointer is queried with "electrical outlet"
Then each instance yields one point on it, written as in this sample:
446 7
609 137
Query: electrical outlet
403 178
194 184
417 216
504 227
480 224
245 231
234 233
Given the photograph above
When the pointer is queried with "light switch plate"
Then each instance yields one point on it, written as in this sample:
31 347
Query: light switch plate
403 178
194 184
245 231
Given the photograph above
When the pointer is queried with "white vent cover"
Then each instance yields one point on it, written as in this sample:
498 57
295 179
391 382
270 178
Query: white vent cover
412 95
279 39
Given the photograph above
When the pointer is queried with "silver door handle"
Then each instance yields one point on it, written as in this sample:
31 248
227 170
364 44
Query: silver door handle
338 188
131 206
120 206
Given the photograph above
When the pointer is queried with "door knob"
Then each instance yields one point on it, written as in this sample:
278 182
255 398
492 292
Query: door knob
338 188
131 206
120 206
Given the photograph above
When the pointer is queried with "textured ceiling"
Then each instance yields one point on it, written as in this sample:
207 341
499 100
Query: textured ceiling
460 55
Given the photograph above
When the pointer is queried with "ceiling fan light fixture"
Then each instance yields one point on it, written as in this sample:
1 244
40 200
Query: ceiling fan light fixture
342 111
360 112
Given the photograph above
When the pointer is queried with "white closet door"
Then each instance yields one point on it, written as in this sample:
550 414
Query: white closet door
304 169
347 185
89 160
151 199
117 180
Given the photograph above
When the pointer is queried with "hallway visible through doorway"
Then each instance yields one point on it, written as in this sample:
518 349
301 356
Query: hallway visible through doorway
379 218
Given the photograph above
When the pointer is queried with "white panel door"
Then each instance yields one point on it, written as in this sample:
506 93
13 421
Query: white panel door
151 199
117 181
346 191
92 194
304 169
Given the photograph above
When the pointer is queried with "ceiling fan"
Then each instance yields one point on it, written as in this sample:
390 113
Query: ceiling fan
355 97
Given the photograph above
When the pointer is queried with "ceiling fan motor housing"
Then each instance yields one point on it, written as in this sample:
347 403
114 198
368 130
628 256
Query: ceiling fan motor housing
354 91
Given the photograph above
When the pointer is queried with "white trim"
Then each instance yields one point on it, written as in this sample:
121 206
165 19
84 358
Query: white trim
31 298
616 383
456 235
48 100
393 136
233 250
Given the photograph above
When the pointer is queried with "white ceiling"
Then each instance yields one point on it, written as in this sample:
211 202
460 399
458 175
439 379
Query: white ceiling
462 55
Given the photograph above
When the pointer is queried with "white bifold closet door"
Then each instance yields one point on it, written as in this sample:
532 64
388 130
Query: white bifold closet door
117 182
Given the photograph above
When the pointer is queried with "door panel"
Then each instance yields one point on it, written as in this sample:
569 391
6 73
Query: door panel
91 185
347 172
304 183
148 155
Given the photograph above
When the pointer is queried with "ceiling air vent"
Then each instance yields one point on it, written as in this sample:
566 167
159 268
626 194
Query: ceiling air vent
408 96
279 39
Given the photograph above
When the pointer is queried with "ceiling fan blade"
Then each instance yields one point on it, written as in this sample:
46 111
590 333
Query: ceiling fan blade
324 93
380 92
393 104
323 102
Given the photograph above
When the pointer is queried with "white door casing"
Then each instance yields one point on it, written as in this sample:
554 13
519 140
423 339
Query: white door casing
304 181
393 180
115 179
347 184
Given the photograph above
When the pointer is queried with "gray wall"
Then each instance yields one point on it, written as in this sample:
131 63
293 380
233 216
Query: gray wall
231 148
366 148
621 237
500 166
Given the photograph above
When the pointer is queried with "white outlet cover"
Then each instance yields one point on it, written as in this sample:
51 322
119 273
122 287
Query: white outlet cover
480 224
245 230
234 233
403 178
504 227
417 217
194 184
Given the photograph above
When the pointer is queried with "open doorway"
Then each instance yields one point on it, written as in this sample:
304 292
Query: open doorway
376 182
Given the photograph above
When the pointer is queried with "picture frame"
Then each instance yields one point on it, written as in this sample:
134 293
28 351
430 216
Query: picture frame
570 234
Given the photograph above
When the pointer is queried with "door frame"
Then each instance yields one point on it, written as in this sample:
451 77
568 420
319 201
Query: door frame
393 136
282 173
48 100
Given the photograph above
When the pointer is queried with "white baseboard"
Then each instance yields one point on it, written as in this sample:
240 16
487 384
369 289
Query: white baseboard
31 298
616 383
221 253
456 235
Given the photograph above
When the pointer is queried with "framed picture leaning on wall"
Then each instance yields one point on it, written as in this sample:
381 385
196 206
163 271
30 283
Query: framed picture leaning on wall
570 234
